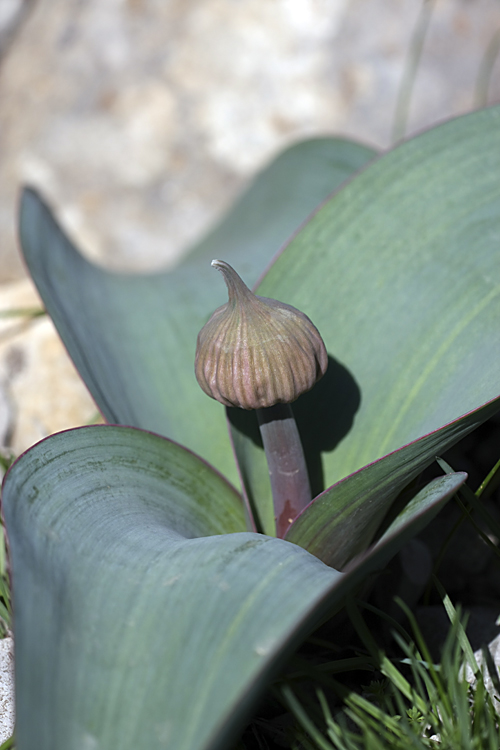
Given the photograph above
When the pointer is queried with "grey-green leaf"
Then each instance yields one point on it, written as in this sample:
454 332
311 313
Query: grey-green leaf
340 523
133 338
138 622
400 272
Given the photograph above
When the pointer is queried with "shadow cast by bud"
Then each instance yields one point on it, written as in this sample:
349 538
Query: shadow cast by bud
324 417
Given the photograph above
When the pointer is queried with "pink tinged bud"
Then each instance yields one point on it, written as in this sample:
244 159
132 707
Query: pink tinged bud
255 352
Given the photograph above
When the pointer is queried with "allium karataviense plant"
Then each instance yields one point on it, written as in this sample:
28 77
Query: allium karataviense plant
148 613
257 353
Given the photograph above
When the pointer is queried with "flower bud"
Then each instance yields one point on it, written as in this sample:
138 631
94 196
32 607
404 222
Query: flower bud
255 352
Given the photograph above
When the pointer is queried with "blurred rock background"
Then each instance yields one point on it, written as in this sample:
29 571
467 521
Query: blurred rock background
142 120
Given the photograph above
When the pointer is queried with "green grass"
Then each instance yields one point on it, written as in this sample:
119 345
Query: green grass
416 703
5 597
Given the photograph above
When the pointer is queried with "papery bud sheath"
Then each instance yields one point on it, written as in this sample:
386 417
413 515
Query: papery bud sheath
255 352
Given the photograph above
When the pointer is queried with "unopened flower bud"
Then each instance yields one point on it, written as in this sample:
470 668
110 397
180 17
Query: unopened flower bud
255 352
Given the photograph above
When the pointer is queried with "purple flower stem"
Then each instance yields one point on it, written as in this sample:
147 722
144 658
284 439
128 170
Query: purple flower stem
287 466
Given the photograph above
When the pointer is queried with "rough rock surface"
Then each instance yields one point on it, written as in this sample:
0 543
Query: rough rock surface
141 119
6 688
40 390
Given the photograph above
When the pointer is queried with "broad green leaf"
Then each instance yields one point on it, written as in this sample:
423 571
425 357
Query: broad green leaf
138 623
340 522
133 338
400 272
412 519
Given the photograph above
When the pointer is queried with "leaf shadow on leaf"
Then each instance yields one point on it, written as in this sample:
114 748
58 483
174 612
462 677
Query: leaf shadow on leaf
324 415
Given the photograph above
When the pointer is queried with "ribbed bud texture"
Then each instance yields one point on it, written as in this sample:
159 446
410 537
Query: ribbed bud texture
255 352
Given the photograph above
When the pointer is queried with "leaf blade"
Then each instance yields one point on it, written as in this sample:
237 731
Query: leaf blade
400 272
131 629
127 613
340 523
133 338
